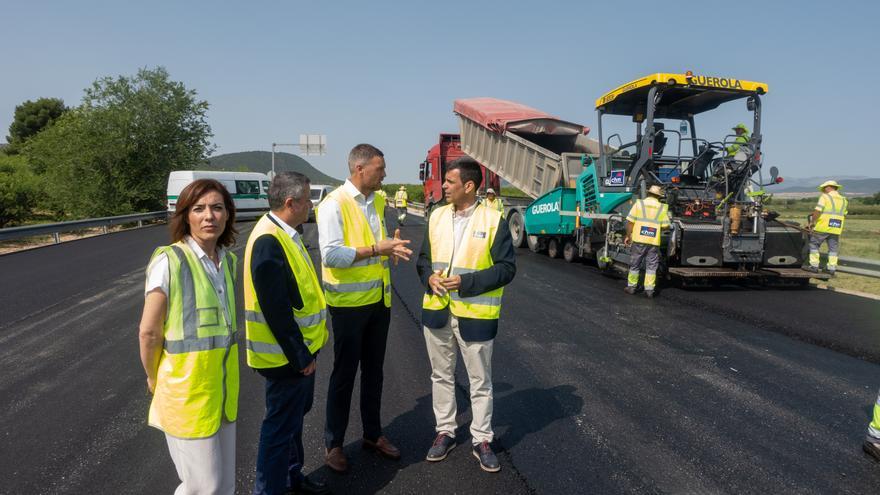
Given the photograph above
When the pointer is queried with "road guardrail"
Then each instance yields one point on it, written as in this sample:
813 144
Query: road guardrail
856 266
846 264
57 228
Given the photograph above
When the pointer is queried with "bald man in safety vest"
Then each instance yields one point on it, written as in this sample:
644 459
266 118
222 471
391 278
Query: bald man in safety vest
827 224
644 225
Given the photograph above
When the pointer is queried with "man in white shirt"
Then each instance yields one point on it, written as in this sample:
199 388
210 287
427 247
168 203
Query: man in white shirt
355 249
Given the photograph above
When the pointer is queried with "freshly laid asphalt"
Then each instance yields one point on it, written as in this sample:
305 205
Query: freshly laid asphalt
735 390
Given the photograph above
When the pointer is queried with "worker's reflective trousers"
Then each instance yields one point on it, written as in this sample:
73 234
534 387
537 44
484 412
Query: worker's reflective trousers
650 255
874 427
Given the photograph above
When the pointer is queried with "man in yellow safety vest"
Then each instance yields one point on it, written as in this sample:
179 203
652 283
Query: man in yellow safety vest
400 199
827 224
466 259
355 249
871 446
742 137
493 201
285 320
644 225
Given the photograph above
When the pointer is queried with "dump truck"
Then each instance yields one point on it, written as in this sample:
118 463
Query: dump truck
583 187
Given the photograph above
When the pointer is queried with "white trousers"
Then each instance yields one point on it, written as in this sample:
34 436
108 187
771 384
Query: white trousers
443 346
205 466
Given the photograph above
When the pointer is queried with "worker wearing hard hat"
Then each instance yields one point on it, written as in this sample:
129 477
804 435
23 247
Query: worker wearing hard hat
742 137
400 199
826 224
644 225
493 201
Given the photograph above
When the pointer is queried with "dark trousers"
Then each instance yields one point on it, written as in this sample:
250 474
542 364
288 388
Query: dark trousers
359 336
280 456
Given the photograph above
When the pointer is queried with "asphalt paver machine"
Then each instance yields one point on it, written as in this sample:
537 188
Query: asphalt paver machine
721 228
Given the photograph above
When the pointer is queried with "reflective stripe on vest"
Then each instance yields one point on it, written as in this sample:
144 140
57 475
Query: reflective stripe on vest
197 382
831 219
263 350
647 230
471 255
366 281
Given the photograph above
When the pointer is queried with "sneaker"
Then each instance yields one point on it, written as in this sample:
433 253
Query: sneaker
649 293
630 289
440 448
831 273
488 461
814 269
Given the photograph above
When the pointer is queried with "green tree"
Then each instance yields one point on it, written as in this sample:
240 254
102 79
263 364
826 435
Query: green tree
30 118
112 154
18 190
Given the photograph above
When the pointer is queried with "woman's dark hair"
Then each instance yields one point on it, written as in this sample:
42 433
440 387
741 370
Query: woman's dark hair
191 193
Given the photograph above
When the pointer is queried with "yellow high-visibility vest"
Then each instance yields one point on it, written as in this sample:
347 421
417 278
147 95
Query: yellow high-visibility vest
197 382
495 205
471 255
400 199
833 211
263 350
366 281
649 217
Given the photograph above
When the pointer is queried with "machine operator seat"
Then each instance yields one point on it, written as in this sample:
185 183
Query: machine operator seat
659 138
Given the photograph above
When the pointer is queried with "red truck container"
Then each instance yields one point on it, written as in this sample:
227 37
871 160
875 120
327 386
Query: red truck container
433 170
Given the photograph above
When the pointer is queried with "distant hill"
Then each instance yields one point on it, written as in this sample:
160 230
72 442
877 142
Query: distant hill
862 185
261 161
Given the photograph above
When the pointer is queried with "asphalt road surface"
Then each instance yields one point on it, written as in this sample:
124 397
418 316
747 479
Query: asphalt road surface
715 391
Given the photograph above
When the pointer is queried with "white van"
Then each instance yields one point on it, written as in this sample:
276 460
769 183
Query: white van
317 192
249 190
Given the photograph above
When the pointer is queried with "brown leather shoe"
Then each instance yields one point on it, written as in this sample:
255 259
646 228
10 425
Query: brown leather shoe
335 459
384 447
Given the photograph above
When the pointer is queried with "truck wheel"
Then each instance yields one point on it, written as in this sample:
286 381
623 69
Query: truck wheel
569 251
536 244
553 248
517 228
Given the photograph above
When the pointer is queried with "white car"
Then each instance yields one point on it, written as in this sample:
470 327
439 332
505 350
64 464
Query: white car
317 193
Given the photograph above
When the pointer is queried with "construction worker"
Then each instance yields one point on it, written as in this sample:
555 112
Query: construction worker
400 199
464 275
187 339
493 201
285 314
355 249
871 446
644 225
826 224
742 137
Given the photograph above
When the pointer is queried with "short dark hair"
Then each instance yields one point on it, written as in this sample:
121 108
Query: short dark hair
179 224
285 185
361 154
468 170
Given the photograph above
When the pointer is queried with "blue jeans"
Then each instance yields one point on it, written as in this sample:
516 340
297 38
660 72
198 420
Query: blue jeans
280 456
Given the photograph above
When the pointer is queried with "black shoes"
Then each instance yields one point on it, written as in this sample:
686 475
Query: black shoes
872 449
309 487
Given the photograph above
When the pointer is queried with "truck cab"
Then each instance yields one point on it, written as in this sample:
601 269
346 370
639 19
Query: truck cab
432 171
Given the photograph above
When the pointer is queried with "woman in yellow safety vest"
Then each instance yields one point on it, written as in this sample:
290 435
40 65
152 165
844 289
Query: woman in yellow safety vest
187 339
